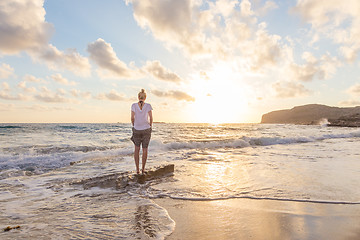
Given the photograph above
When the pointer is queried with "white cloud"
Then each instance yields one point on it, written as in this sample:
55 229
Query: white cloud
58 60
313 68
60 79
264 50
245 7
179 95
160 72
23 86
5 86
23 28
23 25
31 78
78 93
354 90
49 96
5 93
75 92
269 5
112 95
221 30
337 20
224 7
290 90
7 96
166 19
61 91
42 108
6 70
110 65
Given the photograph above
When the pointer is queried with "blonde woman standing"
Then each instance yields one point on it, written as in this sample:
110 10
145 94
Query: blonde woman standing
141 119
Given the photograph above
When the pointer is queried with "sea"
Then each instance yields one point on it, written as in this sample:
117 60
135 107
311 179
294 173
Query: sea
43 168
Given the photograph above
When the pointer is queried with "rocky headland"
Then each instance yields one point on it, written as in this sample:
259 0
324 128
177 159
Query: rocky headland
315 114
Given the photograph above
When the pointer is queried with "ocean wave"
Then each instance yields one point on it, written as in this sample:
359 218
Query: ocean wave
9 127
51 149
36 162
239 143
243 142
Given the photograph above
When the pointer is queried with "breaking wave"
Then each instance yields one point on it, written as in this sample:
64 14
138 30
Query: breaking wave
248 142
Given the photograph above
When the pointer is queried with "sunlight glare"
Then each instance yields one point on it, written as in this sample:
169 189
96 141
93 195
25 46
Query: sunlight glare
220 98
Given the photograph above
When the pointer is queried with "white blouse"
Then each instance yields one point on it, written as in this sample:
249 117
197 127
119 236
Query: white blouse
141 116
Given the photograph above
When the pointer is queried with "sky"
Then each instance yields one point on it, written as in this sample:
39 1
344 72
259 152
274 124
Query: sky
223 61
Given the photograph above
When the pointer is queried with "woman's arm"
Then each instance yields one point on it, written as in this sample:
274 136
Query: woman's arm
132 118
151 118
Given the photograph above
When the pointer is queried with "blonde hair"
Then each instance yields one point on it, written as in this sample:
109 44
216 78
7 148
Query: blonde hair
142 94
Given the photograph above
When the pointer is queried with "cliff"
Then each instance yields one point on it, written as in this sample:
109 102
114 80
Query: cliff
309 114
346 121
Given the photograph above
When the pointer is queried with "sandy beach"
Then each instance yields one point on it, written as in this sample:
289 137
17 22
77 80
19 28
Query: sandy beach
261 219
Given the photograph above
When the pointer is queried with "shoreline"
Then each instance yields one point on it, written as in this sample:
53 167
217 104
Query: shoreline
261 219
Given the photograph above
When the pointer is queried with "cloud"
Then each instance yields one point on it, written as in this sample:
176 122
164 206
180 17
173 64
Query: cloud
221 30
60 79
31 78
168 20
7 96
112 95
49 96
78 93
290 90
179 95
110 65
42 108
160 72
6 70
264 50
337 20
5 93
23 86
23 28
354 90
245 8
58 60
5 86
313 68
268 6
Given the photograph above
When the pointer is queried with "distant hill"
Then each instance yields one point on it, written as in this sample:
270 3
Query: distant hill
308 114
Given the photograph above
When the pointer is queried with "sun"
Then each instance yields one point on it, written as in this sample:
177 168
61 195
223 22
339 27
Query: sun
219 98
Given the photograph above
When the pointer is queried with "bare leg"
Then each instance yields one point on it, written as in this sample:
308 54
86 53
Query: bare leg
137 157
144 158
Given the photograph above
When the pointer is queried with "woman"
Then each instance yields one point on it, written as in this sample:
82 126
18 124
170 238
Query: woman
141 119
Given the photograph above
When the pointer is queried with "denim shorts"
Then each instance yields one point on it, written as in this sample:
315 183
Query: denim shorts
141 137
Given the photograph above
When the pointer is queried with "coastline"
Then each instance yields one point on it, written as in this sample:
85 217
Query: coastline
261 219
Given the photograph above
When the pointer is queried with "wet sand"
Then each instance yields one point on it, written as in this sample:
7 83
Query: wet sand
261 219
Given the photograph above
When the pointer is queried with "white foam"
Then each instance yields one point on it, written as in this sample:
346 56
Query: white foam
243 142
323 122
208 199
